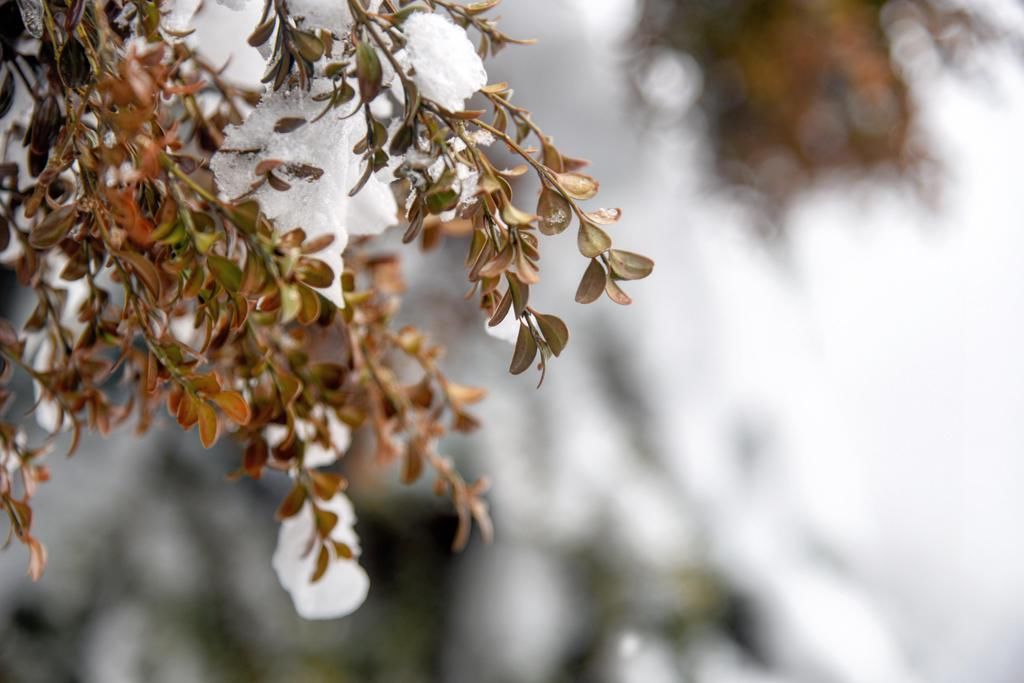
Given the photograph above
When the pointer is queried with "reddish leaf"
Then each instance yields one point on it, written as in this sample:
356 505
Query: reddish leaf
234 406
292 503
207 423
322 562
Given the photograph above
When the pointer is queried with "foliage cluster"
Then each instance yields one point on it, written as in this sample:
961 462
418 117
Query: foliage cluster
155 290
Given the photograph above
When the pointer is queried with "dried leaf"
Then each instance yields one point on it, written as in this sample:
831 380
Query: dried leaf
342 550
145 271
292 503
325 522
578 185
287 125
605 216
616 294
554 211
465 395
520 294
555 332
234 406
592 284
629 266
207 423
51 230
525 351
592 240
36 558
322 563
327 484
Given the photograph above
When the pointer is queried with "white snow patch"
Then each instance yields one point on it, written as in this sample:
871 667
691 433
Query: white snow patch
343 588
319 205
447 68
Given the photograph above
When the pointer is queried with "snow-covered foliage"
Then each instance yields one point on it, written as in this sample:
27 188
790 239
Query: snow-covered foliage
209 245
343 586
317 164
444 62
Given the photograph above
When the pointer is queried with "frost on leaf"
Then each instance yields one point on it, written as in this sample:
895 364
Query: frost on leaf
447 68
310 186
343 586
32 16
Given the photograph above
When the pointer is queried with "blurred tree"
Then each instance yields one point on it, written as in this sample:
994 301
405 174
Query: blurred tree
792 89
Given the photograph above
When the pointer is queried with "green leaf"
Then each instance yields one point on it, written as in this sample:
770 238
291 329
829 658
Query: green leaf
368 72
226 271
442 200
309 45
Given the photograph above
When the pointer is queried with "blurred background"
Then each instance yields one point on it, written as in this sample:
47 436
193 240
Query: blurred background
796 458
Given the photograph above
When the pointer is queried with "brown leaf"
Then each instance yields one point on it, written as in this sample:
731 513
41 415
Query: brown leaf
325 522
234 406
513 215
412 464
322 562
288 124
616 294
145 271
327 484
578 185
592 240
502 309
629 266
465 395
520 294
342 550
554 211
555 332
292 503
36 558
207 423
255 457
525 351
51 230
605 216
525 269
592 284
